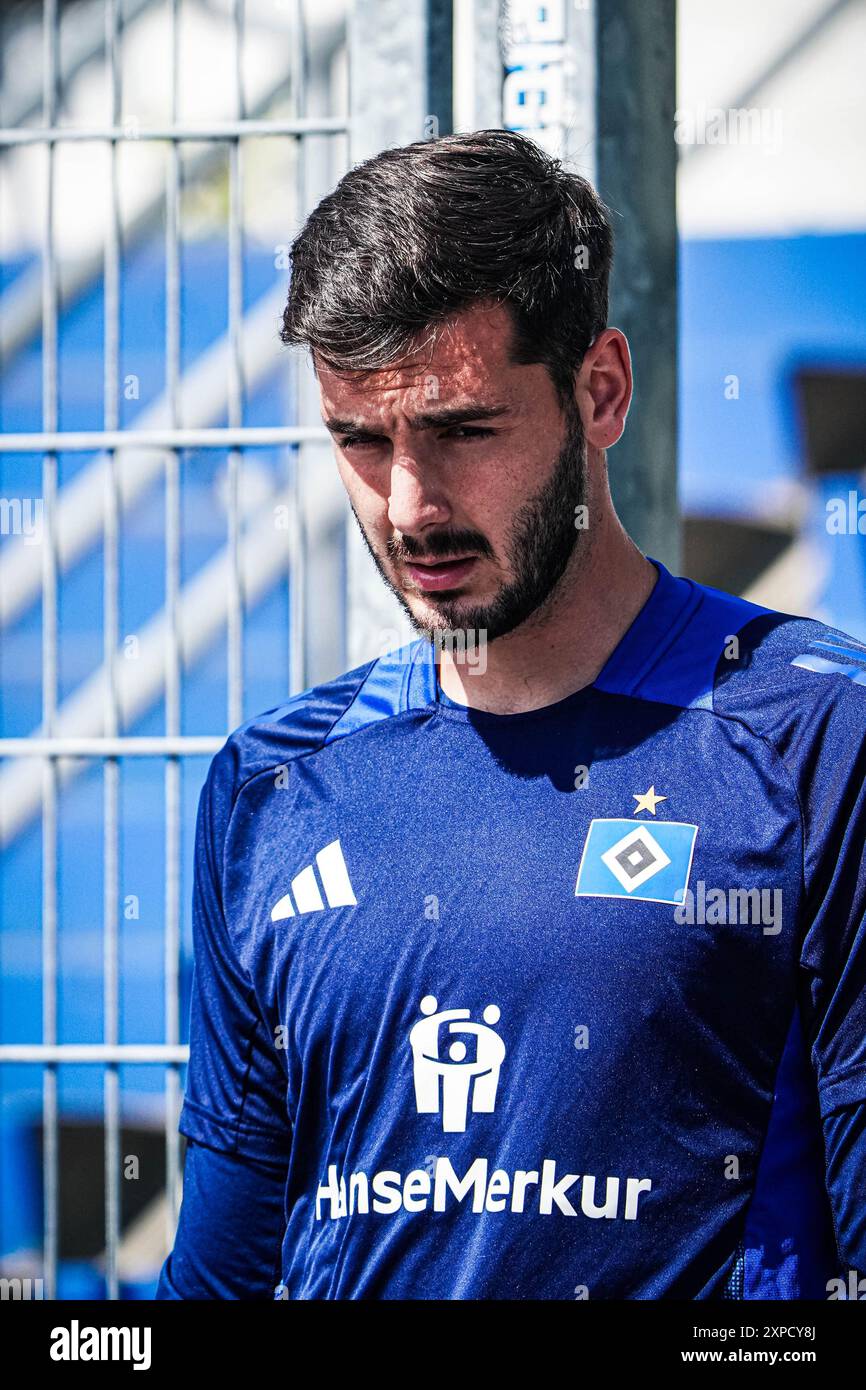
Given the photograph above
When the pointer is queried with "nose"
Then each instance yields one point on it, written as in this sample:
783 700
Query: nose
416 499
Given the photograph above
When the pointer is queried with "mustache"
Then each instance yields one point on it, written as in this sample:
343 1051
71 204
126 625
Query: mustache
438 546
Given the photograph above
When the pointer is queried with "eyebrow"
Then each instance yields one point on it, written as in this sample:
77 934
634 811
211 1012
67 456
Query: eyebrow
428 420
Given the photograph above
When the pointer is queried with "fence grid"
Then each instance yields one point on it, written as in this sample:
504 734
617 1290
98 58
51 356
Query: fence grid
52 743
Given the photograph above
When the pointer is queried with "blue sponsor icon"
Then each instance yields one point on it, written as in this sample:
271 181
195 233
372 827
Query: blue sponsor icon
634 859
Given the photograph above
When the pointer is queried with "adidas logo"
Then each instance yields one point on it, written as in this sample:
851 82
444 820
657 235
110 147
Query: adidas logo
305 886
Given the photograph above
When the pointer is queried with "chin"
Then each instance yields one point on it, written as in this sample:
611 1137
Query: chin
450 615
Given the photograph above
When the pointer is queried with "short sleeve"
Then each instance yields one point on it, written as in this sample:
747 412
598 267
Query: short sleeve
833 961
235 1098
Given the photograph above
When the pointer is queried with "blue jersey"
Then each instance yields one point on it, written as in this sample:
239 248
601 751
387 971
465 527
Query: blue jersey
562 1004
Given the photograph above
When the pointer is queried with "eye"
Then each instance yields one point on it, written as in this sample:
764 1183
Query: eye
469 432
358 441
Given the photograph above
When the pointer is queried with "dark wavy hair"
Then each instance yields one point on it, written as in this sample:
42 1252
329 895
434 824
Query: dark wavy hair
420 232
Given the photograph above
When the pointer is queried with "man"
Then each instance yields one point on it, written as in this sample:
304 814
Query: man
530 958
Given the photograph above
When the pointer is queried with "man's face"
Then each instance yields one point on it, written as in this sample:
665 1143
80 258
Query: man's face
463 474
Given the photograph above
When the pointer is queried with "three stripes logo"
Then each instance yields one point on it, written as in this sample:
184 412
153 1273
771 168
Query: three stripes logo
305 894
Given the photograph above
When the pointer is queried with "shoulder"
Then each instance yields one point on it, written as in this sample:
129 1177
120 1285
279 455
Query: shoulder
799 682
310 721
773 671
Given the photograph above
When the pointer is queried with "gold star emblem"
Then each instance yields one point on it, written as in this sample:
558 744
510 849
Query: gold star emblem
647 801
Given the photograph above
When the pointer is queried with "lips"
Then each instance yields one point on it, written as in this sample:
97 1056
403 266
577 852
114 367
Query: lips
444 574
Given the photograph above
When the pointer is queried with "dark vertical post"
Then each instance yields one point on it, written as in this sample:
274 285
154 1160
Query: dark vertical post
440 64
636 177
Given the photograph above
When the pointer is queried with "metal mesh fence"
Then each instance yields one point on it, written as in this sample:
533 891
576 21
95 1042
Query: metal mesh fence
118 448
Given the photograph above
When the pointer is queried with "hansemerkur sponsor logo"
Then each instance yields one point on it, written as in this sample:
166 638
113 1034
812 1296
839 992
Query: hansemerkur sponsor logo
451 1084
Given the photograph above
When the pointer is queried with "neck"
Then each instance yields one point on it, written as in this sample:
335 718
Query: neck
563 646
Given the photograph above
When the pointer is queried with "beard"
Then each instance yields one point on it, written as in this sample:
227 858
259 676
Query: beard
541 541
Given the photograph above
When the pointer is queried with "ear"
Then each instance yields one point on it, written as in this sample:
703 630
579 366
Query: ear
603 388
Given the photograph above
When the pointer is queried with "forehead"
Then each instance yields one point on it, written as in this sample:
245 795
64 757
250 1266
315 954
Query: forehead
467 354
